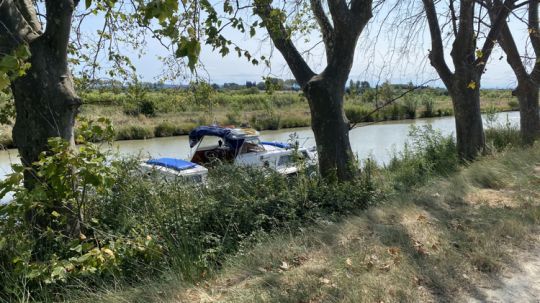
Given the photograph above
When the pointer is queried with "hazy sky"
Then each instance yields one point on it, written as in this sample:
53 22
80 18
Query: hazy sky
375 60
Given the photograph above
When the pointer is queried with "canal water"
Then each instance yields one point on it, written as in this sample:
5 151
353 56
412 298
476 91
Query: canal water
378 141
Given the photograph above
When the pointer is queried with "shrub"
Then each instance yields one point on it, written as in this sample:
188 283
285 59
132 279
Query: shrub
502 136
138 226
167 129
293 121
513 104
52 234
394 112
134 132
427 153
358 113
409 106
266 122
445 112
429 105
147 108
143 107
234 117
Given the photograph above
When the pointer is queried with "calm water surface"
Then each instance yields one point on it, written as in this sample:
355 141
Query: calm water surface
377 141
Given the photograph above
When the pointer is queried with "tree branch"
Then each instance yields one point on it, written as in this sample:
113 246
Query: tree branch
388 102
326 27
281 38
534 35
57 31
436 55
463 48
508 44
497 24
340 13
14 28
361 10
28 10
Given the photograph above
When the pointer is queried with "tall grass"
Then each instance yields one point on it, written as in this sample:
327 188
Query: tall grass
502 135
426 154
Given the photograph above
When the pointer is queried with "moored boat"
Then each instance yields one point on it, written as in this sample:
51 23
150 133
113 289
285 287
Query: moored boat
243 147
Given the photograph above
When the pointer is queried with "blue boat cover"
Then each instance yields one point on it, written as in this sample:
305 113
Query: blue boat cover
278 144
176 164
233 137
197 133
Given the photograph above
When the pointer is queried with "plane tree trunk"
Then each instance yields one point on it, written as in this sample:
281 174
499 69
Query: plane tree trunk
45 100
46 105
325 91
330 127
468 119
527 94
528 83
469 61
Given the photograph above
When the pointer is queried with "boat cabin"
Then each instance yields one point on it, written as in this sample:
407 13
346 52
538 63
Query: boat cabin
214 143
241 146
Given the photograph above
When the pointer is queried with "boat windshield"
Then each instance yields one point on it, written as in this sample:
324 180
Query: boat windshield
210 142
252 145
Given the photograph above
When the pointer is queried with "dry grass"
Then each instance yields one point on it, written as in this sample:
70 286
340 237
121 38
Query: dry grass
440 243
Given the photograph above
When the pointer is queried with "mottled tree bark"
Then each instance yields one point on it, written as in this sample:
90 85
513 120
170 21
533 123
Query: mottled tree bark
528 83
325 91
45 100
468 119
464 83
529 111
331 128
46 105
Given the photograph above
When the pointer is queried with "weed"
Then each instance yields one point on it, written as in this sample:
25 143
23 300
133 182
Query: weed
133 132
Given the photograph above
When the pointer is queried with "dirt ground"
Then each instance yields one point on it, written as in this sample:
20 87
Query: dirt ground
516 284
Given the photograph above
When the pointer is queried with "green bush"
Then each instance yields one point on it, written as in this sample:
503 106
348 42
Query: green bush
429 106
234 117
266 122
410 103
502 136
147 108
134 132
357 113
51 234
138 226
143 107
427 153
445 112
513 104
292 122
167 129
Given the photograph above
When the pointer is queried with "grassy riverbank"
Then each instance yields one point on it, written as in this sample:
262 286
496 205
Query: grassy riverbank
422 222
440 240
140 114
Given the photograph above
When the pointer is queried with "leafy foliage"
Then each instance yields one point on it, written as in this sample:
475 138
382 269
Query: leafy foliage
135 225
427 153
50 233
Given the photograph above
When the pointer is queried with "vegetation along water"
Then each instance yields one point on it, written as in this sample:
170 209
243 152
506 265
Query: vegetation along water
448 215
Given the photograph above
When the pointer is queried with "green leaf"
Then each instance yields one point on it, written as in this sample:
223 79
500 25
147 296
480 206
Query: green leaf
34 273
190 48
9 63
22 52
58 272
88 3
4 81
